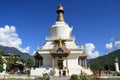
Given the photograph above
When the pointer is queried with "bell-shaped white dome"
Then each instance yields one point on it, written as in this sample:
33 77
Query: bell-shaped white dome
60 30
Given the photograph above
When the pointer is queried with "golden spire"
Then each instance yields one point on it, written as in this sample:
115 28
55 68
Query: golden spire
60 12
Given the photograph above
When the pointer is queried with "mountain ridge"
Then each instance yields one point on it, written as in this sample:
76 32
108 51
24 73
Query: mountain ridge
13 50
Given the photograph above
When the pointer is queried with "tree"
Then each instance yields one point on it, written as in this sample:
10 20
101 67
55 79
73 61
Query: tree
10 61
1 61
29 62
1 52
22 60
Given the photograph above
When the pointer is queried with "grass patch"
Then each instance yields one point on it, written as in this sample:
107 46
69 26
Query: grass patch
87 77
110 79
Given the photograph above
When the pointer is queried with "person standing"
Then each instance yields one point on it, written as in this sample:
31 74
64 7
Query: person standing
59 72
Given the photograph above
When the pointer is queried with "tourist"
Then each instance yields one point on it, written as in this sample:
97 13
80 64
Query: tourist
68 72
59 72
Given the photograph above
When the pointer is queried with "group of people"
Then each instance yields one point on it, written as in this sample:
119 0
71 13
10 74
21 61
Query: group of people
99 73
63 72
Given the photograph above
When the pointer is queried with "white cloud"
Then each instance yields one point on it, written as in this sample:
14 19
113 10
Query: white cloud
9 37
94 55
89 46
90 50
25 50
33 53
109 46
117 44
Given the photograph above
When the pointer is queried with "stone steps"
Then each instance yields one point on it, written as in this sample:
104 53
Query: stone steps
59 78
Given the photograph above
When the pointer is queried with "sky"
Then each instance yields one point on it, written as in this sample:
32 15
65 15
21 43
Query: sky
25 24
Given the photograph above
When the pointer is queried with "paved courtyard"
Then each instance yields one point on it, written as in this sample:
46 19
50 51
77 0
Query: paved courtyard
59 78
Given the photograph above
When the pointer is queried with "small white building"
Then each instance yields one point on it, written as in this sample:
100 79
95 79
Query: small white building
61 55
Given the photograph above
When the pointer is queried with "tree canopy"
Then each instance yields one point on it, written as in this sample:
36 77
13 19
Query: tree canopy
105 62
1 60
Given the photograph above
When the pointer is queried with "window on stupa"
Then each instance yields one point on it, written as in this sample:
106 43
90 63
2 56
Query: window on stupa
59 50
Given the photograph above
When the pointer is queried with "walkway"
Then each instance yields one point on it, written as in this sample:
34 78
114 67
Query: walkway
22 76
59 78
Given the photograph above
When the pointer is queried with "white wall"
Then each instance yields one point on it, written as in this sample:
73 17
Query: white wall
47 59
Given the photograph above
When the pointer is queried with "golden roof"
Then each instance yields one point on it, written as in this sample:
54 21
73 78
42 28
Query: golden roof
83 55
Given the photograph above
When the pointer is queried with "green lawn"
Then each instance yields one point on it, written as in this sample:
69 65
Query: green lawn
111 79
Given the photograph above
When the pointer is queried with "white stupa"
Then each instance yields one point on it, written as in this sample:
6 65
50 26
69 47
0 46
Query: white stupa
116 65
61 54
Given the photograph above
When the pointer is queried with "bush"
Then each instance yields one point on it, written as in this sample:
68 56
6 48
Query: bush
1 68
74 77
46 76
85 77
28 72
80 77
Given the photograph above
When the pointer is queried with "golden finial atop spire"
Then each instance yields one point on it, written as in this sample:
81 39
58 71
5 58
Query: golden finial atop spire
60 12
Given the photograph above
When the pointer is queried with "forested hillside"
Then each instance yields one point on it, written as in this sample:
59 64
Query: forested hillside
105 62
